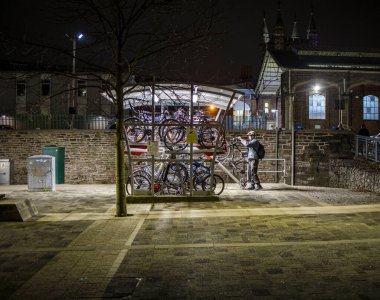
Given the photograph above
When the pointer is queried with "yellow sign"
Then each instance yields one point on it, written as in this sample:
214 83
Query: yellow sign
2 166
191 136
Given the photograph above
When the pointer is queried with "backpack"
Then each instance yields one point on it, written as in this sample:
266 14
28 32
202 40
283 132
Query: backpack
261 151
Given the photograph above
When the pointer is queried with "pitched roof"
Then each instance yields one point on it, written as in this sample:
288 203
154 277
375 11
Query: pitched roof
276 62
318 58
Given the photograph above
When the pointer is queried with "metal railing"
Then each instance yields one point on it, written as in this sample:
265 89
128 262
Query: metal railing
239 123
37 121
34 121
367 147
282 171
276 169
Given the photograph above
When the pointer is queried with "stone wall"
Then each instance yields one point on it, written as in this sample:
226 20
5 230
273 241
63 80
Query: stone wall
355 174
314 149
322 157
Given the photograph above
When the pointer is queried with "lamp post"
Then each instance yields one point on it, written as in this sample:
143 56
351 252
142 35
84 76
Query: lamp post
72 103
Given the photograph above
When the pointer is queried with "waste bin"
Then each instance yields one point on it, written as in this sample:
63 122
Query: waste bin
59 153
41 173
6 170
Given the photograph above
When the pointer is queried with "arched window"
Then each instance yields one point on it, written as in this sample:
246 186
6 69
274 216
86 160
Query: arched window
317 106
370 107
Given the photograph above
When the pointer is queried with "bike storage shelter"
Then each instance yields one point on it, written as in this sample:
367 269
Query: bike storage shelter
189 138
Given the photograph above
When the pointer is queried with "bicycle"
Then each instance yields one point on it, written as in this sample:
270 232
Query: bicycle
137 128
169 178
202 179
236 158
231 150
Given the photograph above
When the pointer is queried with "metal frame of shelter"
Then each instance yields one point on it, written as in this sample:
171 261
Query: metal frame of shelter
179 94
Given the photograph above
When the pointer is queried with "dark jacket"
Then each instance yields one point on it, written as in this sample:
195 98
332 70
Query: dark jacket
252 147
363 131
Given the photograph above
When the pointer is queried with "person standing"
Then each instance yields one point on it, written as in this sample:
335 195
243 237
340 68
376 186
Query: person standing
363 130
252 145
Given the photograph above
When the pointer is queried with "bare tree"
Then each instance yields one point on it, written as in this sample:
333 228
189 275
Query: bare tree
133 37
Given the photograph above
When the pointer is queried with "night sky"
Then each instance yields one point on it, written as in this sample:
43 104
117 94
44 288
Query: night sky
339 23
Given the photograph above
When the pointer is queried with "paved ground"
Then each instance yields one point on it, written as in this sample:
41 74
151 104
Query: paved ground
279 243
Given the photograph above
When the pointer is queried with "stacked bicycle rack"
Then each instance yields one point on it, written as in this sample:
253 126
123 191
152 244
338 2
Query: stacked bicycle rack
173 154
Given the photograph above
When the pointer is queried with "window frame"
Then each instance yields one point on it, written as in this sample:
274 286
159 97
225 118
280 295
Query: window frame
373 110
82 88
19 83
314 114
44 83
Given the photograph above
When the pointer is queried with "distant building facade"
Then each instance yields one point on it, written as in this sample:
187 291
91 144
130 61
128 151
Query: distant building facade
312 87
26 89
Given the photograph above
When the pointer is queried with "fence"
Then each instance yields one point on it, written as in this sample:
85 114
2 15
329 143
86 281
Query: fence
34 121
239 123
55 122
367 147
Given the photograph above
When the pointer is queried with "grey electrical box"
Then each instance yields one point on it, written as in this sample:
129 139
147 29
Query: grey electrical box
41 173
6 170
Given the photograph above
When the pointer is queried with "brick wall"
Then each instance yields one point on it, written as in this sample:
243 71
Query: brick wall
90 155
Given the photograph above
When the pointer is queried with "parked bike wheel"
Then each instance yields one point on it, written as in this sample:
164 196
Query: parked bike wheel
141 182
135 130
209 134
175 138
217 187
176 174
163 129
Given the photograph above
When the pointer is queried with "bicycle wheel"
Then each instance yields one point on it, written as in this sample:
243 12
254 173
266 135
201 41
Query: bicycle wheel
164 128
200 172
198 180
175 138
226 149
239 168
176 174
135 130
209 134
141 182
217 187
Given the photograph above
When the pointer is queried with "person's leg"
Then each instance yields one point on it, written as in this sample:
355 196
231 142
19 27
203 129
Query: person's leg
255 177
250 175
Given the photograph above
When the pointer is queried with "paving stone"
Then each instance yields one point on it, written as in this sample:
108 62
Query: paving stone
77 249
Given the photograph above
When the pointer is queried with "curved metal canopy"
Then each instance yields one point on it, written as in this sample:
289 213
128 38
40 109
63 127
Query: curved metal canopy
181 94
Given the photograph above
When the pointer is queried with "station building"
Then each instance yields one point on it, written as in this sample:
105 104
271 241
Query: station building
314 87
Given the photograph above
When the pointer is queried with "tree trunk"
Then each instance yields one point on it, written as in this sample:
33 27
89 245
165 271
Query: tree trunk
121 197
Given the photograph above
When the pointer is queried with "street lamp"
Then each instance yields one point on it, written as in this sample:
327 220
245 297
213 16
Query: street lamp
72 108
74 39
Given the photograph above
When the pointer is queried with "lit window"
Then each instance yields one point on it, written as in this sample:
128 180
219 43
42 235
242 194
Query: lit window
82 88
317 106
370 107
266 107
45 87
21 88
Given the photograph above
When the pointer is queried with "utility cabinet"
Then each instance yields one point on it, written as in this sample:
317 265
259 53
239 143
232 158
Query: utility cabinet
59 153
41 173
6 171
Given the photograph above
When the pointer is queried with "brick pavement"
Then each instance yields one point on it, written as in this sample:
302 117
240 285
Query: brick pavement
280 243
